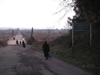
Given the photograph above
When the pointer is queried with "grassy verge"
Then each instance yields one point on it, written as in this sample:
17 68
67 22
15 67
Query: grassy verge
81 59
37 48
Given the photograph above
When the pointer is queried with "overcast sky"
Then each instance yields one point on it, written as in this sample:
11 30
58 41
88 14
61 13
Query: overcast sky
30 13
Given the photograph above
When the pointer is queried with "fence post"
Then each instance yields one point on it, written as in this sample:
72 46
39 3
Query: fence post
90 34
73 38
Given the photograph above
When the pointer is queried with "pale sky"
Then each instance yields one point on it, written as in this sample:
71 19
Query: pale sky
30 13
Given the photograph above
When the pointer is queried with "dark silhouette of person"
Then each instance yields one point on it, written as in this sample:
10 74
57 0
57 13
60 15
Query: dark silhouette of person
20 42
17 42
23 43
46 49
13 38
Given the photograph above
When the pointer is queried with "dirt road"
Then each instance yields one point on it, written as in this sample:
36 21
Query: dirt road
16 60
18 36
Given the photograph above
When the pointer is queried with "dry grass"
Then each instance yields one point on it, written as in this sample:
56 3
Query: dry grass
40 36
4 36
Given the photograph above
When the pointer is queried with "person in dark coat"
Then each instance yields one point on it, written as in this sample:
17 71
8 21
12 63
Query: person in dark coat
46 49
23 43
17 42
20 42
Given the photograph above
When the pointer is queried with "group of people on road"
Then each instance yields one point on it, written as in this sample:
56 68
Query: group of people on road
45 48
21 43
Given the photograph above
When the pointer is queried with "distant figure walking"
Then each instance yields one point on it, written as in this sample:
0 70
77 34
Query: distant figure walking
23 43
13 38
20 42
46 49
17 42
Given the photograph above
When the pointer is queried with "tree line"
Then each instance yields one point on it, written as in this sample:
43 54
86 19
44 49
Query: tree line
86 11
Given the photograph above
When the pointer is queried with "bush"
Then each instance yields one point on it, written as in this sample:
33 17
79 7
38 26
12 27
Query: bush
3 43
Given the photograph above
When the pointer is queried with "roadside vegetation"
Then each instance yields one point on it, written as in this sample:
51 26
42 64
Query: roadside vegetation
85 56
3 43
5 35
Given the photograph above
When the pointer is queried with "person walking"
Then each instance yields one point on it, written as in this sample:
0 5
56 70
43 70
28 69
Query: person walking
17 42
46 50
23 43
20 42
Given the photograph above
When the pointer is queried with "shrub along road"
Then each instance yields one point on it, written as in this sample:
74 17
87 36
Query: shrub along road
16 60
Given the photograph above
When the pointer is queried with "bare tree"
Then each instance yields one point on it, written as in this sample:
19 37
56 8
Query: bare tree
65 6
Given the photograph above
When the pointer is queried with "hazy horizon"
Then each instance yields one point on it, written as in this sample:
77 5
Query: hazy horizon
3 28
